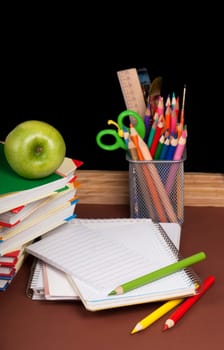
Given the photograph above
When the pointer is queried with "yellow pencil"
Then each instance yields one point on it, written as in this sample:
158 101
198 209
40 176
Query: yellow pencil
155 315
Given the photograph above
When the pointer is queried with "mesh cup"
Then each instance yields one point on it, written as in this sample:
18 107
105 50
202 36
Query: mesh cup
156 190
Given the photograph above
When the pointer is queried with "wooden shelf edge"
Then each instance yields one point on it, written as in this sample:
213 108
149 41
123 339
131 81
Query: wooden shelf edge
112 187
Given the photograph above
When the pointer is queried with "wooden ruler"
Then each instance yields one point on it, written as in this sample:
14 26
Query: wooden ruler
132 91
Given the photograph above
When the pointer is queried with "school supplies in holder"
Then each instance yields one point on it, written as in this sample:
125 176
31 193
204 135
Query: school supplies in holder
155 142
156 189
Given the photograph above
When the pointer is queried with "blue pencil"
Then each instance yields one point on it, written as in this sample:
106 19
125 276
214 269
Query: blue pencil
164 149
171 148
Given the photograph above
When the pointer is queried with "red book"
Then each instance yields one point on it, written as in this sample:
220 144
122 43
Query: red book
7 272
10 259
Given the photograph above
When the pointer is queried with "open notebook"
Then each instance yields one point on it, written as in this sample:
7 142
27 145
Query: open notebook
99 258
48 282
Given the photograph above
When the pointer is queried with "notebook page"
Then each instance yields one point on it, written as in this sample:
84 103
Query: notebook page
56 281
56 284
106 259
173 229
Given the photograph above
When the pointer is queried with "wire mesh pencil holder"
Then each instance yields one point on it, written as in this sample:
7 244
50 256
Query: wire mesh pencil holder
156 190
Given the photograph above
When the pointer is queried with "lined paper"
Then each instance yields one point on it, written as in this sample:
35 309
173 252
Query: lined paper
106 257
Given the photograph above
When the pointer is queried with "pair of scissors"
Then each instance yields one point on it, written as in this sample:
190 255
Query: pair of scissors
119 134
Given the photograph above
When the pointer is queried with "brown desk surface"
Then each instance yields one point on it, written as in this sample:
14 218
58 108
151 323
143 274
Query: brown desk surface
28 324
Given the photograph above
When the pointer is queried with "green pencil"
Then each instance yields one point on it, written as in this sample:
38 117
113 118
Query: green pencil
155 275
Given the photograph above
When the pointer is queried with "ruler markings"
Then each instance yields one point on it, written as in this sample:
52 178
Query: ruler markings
132 91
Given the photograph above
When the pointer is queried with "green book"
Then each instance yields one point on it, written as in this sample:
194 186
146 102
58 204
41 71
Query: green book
16 190
11 182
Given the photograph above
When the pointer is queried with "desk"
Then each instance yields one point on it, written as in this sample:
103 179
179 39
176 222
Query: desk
28 324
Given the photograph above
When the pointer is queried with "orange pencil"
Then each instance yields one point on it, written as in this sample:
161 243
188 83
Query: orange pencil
134 138
179 130
173 121
177 106
157 210
168 117
164 207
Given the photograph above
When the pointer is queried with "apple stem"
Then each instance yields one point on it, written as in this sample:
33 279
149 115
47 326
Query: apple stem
39 149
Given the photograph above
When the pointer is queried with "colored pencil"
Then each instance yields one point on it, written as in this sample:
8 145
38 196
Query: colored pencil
183 107
159 147
157 274
155 315
172 147
162 205
177 155
152 131
164 149
188 303
157 134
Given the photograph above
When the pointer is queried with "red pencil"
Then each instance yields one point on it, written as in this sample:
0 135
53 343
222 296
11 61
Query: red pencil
188 303
155 141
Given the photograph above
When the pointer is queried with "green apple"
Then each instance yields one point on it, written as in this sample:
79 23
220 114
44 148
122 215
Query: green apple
34 149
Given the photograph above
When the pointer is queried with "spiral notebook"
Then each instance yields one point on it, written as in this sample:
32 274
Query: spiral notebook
99 257
48 283
35 285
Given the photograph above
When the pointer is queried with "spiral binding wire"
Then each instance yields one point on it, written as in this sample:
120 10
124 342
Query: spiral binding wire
35 270
191 275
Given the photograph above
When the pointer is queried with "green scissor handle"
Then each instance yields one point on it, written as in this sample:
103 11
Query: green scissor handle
139 122
119 141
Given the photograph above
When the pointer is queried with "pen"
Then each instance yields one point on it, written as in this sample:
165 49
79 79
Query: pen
188 303
155 315
157 274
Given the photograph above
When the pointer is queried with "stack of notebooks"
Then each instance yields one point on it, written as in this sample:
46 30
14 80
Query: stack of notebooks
30 209
47 282
87 258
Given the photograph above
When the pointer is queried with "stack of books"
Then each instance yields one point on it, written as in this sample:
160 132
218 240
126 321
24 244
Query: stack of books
30 209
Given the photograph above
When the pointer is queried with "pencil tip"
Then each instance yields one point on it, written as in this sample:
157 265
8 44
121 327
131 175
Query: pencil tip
133 331
113 292
165 327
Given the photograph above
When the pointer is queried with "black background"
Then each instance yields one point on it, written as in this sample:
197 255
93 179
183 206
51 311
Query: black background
62 69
